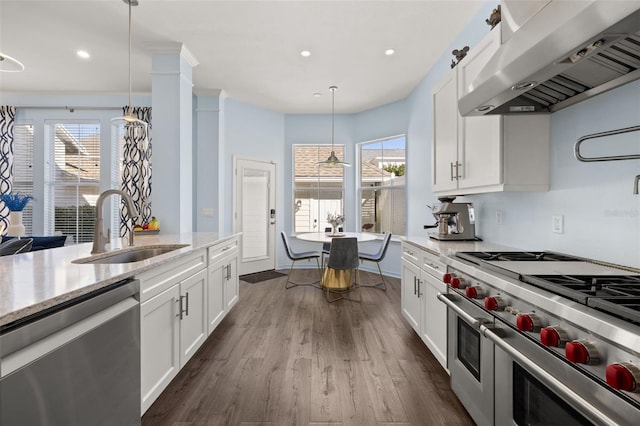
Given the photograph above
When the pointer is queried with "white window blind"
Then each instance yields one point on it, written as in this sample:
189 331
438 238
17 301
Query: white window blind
117 149
73 178
23 169
317 190
382 185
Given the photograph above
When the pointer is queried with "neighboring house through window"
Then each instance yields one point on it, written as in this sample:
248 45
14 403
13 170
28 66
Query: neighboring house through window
72 178
382 185
317 190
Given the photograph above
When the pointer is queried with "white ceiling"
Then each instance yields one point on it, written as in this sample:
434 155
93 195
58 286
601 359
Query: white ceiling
248 49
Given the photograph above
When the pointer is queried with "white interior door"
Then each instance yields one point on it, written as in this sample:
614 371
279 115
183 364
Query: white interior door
255 214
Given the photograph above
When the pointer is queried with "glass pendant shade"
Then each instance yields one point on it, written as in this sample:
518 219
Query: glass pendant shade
9 64
333 160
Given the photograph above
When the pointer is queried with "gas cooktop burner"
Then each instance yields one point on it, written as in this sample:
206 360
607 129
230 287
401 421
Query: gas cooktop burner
533 256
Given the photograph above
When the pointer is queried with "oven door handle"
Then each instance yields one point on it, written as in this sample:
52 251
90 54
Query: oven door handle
448 299
560 388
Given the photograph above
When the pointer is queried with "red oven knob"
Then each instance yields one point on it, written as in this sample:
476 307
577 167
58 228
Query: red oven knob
623 376
494 303
581 352
553 336
446 278
457 282
474 292
528 322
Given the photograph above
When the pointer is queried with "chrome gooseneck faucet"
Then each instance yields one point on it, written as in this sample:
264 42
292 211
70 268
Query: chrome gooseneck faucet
99 239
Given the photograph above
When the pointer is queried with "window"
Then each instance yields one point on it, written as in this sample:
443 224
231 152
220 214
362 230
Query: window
317 190
23 169
382 186
72 178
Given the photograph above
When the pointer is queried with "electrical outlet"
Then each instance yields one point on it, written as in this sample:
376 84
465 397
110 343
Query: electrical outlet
499 216
207 212
557 225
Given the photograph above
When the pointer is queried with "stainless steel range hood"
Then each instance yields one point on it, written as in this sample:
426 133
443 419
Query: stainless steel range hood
567 52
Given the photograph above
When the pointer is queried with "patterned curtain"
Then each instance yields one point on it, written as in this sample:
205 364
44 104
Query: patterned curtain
136 170
7 118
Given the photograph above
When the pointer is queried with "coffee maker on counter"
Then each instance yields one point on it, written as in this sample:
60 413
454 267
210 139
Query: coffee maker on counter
455 221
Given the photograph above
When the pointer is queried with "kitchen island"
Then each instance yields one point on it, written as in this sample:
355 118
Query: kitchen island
162 299
33 282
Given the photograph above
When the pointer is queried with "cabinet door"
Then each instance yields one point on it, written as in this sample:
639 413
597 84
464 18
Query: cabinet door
160 343
232 284
445 134
434 318
480 151
215 294
410 295
476 59
193 324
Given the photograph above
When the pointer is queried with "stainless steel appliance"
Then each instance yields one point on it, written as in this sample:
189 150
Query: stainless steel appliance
555 54
557 338
455 221
75 364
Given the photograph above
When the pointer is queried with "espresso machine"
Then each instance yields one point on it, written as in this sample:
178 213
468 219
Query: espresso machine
455 221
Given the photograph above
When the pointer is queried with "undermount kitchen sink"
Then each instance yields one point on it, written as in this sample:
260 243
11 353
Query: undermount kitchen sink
130 254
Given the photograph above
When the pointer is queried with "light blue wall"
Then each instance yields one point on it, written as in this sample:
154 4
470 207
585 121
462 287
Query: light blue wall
254 133
601 214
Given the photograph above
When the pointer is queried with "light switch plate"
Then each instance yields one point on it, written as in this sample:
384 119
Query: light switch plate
207 212
499 217
557 224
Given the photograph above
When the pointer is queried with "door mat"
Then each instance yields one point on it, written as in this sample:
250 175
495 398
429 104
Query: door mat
261 276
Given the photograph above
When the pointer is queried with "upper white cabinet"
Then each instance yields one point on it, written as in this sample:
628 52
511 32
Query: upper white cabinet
489 153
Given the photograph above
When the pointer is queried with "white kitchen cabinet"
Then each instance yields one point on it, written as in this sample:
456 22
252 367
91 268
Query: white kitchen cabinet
489 153
173 321
410 297
223 282
421 283
159 344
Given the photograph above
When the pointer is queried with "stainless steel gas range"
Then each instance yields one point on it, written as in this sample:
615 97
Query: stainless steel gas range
543 338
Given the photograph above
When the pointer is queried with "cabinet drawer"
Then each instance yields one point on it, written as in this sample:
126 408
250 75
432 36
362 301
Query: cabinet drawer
431 263
411 254
161 278
221 250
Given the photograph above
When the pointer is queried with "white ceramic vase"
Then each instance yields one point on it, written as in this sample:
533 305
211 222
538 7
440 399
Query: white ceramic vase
15 228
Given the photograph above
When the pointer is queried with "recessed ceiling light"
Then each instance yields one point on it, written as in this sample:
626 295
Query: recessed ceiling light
317 95
305 53
389 52
83 54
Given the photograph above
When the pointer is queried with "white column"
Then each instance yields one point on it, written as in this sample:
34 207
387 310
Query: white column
172 150
206 160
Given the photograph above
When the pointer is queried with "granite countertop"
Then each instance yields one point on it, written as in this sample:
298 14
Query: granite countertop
447 248
32 282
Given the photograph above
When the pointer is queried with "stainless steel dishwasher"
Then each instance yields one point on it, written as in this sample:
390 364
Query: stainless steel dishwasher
75 364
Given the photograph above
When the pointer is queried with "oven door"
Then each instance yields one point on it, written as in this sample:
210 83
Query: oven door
470 357
558 394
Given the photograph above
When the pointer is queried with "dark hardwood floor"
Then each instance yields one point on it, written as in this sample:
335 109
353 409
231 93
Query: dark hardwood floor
287 357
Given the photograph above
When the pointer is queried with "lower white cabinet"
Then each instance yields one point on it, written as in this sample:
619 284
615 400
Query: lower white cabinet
173 326
421 282
223 285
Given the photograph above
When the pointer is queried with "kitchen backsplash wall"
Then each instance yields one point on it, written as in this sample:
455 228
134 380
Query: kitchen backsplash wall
601 215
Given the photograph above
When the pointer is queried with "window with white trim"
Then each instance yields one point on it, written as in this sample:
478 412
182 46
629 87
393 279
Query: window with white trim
317 190
23 169
382 186
72 178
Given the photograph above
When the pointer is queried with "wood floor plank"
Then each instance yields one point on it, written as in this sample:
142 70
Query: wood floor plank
287 357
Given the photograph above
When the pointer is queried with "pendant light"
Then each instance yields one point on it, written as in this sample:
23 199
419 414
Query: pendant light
128 119
9 64
333 159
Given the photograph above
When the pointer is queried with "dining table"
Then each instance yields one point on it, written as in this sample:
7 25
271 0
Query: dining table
331 278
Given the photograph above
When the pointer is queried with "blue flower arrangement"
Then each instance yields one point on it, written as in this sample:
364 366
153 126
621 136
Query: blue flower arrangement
16 202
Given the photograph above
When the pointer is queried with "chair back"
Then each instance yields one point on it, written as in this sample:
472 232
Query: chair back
287 246
383 247
344 253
